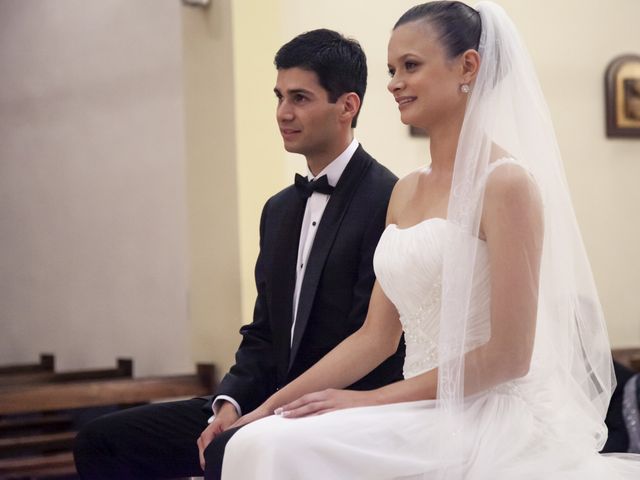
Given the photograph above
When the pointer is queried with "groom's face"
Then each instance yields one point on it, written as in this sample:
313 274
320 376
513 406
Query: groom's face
308 121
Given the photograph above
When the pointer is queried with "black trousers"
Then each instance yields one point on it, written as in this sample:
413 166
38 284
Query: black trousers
149 442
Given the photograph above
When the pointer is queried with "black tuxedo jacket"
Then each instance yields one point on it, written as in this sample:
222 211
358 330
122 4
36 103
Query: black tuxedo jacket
335 291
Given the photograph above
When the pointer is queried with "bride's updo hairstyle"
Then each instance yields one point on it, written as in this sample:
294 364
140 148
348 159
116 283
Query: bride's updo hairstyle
458 25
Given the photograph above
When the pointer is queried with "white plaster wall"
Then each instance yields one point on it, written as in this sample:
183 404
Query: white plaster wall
93 260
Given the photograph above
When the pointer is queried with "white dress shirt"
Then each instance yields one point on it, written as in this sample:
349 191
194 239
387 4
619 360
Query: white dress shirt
313 212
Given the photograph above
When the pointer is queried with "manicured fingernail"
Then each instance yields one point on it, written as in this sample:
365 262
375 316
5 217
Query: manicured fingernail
278 411
285 413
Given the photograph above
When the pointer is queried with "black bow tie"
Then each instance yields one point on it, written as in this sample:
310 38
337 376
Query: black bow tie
305 187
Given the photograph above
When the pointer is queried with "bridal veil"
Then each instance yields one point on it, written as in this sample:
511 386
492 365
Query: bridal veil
506 109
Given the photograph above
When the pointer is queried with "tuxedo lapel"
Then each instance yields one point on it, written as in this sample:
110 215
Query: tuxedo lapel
325 236
283 274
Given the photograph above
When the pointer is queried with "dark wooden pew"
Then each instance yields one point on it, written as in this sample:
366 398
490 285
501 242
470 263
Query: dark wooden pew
37 442
49 453
40 423
38 433
49 466
82 394
47 364
629 357
123 369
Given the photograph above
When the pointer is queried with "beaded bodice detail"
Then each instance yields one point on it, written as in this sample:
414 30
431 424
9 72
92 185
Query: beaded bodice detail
408 265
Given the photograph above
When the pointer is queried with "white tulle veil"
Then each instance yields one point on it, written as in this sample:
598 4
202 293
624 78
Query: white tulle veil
571 351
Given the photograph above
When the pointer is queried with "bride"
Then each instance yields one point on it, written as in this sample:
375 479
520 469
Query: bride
508 371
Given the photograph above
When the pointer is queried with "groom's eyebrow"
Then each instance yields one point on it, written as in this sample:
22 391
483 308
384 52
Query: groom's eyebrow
294 91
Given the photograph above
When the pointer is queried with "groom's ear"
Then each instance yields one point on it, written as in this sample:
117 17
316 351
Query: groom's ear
350 106
470 65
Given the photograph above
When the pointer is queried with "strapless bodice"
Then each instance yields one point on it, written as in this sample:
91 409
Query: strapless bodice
408 265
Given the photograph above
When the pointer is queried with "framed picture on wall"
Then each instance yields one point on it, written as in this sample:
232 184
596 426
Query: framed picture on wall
622 96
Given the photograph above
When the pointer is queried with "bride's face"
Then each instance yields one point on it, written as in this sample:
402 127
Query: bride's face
425 82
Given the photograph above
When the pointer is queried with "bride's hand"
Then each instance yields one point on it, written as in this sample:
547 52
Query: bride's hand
326 401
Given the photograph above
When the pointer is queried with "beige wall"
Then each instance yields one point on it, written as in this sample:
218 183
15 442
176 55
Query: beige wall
111 117
212 186
259 161
234 162
571 49
571 43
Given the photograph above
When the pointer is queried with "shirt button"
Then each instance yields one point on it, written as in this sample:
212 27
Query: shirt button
301 265
313 223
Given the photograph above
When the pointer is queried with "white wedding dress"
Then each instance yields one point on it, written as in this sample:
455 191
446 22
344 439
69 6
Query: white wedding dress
514 431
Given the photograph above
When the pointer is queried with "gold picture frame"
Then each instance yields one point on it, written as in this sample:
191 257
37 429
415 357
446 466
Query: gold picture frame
622 96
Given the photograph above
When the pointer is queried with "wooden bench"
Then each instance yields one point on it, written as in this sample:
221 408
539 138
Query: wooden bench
629 357
82 394
47 423
47 466
40 454
124 368
47 363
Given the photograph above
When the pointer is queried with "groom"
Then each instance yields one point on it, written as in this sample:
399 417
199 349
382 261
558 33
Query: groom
314 275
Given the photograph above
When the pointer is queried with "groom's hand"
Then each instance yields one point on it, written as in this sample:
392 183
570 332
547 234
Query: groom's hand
326 401
260 412
225 417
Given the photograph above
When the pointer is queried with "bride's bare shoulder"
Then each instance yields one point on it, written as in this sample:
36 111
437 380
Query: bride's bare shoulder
403 190
409 181
511 198
507 176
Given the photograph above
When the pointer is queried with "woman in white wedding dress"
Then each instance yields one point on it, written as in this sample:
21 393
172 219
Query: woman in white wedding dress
508 371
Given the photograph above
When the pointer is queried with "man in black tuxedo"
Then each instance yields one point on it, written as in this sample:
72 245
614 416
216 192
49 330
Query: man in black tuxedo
314 275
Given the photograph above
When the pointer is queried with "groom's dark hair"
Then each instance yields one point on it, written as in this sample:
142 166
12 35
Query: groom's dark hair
339 62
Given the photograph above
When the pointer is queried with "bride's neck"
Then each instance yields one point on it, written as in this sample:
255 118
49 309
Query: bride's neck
444 142
443 146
